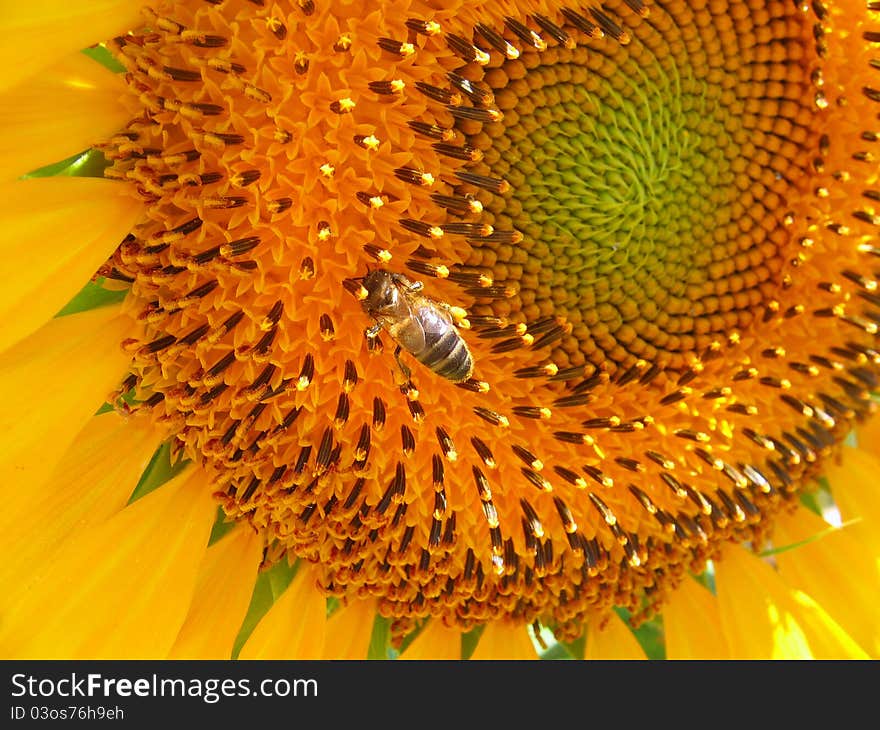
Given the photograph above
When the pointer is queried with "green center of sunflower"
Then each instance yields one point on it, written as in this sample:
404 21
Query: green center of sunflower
647 179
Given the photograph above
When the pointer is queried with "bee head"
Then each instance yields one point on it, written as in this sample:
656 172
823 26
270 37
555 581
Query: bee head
381 290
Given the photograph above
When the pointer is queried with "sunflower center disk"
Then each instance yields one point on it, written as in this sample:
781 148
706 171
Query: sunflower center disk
606 191
646 181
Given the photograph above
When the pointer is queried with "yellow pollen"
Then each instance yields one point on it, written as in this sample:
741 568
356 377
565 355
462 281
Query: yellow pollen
324 232
370 142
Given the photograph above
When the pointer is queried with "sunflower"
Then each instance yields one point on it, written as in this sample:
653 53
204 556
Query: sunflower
440 330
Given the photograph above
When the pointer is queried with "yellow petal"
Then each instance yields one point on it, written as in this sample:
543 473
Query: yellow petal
501 640
854 486
56 233
763 618
349 631
835 570
435 641
223 592
120 590
692 624
61 111
615 640
90 484
868 434
295 626
50 385
37 33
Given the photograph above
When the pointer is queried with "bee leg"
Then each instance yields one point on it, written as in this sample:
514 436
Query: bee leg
371 334
403 368
407 283
458 314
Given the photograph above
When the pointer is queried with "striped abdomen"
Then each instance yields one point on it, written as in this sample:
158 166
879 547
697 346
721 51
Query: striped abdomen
447 355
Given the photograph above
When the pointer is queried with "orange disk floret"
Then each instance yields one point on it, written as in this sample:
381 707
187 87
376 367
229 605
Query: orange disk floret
650 225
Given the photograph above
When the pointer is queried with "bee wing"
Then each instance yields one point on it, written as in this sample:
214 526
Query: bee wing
436 323
415 329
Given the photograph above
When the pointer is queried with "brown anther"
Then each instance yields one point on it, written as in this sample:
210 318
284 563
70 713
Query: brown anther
459 152
597 475
328 331
436 93
609 27
423 27
408 440
570 476
675 396
532 519
538 412
387 88
496 41
536 479
603 510
378 414
475 113
277 27
525 34
554 31
398 48
581 23
492 184
426 230
482 484
307 372
467 51
245 178
414 176
432 131
382 255
528 457
362 448
271 319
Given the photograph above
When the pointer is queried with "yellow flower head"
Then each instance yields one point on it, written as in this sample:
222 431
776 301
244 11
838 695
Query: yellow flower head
650 229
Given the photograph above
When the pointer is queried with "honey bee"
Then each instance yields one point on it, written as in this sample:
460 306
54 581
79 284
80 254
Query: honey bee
422 326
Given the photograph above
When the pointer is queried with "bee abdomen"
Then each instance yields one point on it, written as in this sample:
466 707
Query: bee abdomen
449 357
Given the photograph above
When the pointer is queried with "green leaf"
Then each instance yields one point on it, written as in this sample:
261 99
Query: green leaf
221 527
261 602
280 576
577 648
333 605
88 163
158 471
103 56
810 500
270 584
649 635
411 636
92 296
380 640
56 168
470 640
706 578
